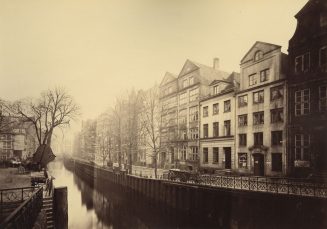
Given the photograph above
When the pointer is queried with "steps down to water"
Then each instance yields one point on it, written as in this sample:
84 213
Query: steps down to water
48 207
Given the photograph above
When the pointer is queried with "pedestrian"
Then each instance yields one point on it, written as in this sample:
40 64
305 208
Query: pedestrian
50 185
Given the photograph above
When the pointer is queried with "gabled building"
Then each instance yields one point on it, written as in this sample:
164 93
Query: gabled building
307 89
169 108
183 93
217 124
261 111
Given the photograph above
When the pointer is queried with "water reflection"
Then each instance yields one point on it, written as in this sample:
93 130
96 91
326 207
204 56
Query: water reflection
90 208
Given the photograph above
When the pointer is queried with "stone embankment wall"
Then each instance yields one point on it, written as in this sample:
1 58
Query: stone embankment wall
235 206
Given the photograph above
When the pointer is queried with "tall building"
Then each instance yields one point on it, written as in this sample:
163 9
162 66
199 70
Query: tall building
307 88
261 111
180 97
217 122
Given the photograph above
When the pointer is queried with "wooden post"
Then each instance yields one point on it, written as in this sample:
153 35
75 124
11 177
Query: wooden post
60 207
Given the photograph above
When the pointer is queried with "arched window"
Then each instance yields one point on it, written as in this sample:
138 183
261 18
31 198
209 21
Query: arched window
258 55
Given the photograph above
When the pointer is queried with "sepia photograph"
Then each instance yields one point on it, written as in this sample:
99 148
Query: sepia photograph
163 114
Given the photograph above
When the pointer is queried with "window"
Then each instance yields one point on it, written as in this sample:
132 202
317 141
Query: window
264 75
205 155
205 130
215 155
183 134
183 98
276 93
227 128
323 98
258 139
302 146
227 106
252 79
169 103
205 111
242 160
243 101
169 90
216 90
191 80
194 153
185 83
258 97
243 120
194 94
302 102
183 152
276 115
323 19
258 118
302 63
323 57
194 133
276 162
215 108
242 140
276 138
182 119
215 129
258 55
194 114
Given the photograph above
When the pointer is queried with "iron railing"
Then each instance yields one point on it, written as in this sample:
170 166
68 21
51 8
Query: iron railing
10 195
265 184
25 215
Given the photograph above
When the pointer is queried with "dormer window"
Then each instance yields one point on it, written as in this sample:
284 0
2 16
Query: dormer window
258 55
185 83
191 80
216 90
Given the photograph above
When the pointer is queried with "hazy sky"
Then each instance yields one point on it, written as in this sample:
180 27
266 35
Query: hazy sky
97 49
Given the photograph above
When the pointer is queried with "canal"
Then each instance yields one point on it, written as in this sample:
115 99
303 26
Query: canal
96 204
101 207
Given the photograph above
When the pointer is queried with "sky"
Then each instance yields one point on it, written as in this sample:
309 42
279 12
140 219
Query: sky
97 49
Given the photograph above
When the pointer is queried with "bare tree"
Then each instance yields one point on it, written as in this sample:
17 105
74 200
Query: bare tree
151 122
118 114
105 138
133 109
6 122
54 109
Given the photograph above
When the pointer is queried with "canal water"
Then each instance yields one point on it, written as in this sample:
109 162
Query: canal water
97 205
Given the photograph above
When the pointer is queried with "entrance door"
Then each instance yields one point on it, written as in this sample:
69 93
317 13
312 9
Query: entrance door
259 166
228 157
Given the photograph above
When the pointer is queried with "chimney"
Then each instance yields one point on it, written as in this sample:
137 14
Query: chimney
216 63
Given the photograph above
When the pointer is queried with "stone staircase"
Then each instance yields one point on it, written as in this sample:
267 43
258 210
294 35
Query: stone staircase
48 208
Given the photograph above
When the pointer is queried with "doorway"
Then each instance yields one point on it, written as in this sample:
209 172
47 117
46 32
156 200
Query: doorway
259 165
228 157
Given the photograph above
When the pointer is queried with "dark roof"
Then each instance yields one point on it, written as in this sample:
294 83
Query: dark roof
209 73
310 6
168 78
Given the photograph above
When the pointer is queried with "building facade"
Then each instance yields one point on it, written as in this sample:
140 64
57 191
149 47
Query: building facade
217 143
18 140
180 97
261 111
307 86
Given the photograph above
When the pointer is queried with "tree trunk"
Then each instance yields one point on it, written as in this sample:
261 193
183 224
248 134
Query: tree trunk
49 138
155 167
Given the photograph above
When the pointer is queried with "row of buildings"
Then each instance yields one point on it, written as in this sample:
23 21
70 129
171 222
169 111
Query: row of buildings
269 119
